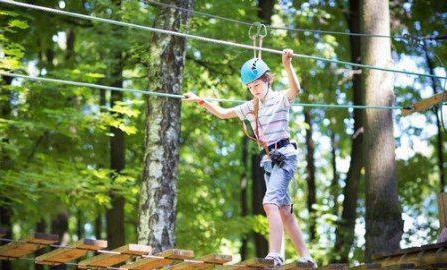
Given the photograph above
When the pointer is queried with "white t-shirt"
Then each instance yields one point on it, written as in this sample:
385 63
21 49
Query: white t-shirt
273 120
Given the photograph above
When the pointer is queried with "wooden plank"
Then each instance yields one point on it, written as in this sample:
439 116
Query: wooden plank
178 254
193 266
425 104
125 252
256 263
72 252
27 246
442 210
335 266
204 263
422 258
217 258
147 264
296 266
400 252
400 266
366 266
167 257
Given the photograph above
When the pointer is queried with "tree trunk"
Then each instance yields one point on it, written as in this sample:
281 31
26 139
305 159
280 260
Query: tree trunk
98 225
69 52
158 201
41 227
439 135
5 222
115 215
265 10
244 197
258 191
344 233
59 226
310 167
334 189
6 163
80 224
384 226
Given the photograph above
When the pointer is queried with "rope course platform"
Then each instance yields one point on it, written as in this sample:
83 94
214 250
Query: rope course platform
139 257
432 256
131 256
425 104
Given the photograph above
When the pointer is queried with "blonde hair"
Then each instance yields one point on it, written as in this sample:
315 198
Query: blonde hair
268 78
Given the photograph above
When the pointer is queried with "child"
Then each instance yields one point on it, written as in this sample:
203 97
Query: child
268 114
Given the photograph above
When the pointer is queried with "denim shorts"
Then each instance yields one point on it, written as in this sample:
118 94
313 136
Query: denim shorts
277 181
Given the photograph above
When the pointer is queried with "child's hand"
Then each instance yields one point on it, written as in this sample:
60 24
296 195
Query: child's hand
191 97
287 57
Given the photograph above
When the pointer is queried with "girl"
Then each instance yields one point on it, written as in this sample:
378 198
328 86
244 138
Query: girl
268 114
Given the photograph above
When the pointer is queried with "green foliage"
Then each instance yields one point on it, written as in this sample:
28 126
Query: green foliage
54 139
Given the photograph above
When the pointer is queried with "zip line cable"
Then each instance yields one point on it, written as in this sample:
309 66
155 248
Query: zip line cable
211 40
153 93
397 37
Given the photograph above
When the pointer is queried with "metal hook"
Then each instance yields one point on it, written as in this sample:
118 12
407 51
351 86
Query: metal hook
262 28
261 33
253 36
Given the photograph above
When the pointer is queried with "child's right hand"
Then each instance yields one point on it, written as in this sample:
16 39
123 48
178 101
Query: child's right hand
191 97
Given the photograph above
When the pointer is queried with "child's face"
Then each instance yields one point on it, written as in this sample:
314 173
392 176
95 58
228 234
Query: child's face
258 88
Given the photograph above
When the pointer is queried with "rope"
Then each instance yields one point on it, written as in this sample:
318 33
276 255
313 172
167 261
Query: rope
317 31
211 40
153 93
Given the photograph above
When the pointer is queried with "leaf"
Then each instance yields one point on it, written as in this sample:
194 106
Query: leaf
19 24
8 13
95 75
102 199
126 110
8 63
128 129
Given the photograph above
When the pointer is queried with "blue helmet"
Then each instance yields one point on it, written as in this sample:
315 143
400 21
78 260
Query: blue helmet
253 69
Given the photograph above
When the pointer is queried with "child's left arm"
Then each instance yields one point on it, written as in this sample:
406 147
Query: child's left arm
294 84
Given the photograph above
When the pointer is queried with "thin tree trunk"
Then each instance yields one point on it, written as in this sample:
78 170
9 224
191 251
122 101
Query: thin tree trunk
310 167
69 52
59 226
344 233
115 215
384 226
80 224
98 225
41 227
334 184
158 199
439 135
6 163
258 191
5 222
99 212
244 197
265 10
